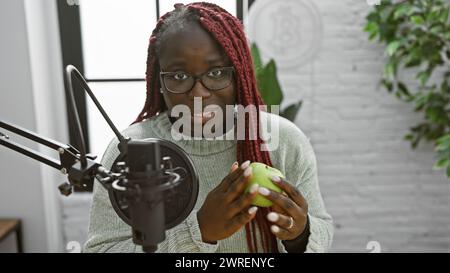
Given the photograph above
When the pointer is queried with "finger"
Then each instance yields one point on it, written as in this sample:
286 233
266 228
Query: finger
244 217
291 191
276 208
244 201
234 167
237 187
286 203
230 178
280 232
280 220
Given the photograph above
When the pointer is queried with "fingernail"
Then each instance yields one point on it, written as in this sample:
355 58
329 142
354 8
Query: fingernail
234 166
254 188
273 217
252 210
276 178
263 191
275 229
245 164
248 172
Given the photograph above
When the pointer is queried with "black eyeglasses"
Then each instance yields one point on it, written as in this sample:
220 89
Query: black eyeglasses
180 82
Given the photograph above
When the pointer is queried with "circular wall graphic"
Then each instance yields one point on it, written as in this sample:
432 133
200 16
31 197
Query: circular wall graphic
290 31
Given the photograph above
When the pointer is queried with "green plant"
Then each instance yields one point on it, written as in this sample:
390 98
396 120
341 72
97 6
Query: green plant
416 34
269 86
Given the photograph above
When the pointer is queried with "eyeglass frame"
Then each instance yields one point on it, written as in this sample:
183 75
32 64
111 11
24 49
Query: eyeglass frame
196 78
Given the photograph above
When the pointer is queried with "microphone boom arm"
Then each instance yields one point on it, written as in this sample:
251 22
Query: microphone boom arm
69 158
67 153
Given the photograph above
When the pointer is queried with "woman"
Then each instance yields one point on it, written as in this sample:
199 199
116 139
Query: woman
199 52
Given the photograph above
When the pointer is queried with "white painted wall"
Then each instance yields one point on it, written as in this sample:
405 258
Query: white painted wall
32 96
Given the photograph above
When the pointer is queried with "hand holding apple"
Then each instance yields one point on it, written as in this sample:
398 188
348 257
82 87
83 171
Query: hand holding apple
227 208
289 211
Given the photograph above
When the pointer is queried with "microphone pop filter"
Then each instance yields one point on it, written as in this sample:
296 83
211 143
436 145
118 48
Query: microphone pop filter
178 201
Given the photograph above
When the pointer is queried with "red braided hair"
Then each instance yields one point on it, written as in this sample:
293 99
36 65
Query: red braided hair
227 30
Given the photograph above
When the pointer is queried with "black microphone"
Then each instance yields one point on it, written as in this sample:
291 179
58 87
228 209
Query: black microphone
146 206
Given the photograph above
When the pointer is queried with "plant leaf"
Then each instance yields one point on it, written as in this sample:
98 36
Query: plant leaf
392 47
443 143
257 62
417 19
423 76
441 163
444 15
401 11
269 86
390 69
372 29
291 111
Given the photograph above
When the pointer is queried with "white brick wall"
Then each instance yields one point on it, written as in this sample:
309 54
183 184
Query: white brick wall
373 184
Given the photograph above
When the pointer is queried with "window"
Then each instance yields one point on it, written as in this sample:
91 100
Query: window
114 37
107 41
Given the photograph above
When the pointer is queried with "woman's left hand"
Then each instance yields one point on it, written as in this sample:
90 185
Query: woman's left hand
290 212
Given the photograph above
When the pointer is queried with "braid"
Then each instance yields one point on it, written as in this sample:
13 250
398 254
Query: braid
227 30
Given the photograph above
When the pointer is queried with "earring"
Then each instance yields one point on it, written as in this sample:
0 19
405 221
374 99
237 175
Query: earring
160 90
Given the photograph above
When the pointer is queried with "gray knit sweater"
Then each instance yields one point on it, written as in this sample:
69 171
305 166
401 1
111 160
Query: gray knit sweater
212 159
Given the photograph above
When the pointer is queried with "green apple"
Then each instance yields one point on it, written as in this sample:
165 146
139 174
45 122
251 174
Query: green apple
261 174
